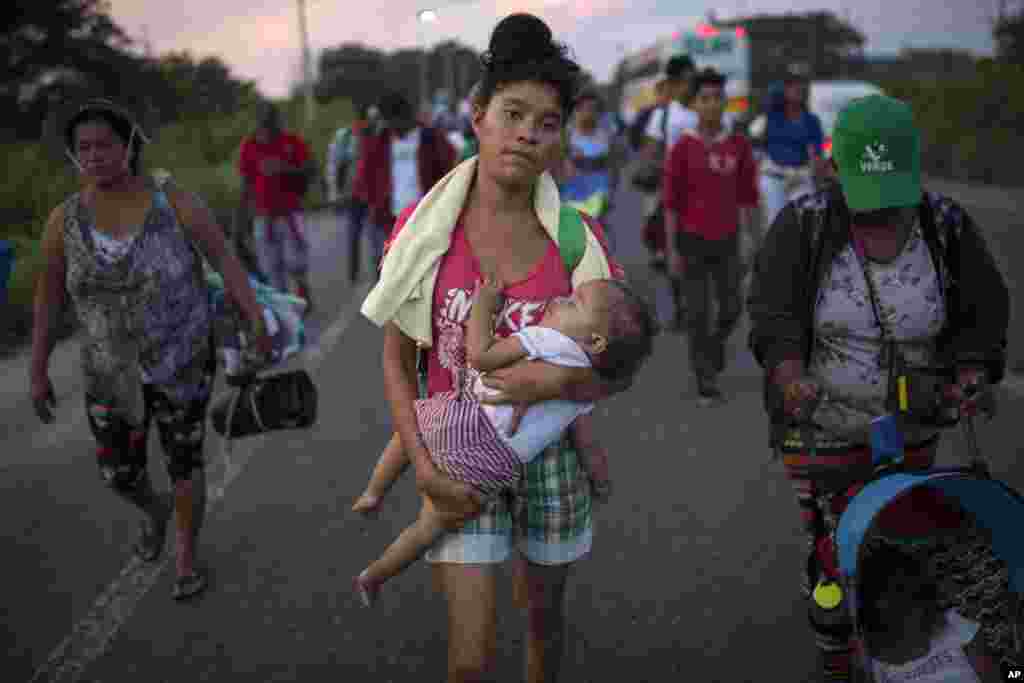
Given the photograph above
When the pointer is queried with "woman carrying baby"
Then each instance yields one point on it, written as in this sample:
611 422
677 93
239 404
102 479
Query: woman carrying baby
499 214
604 325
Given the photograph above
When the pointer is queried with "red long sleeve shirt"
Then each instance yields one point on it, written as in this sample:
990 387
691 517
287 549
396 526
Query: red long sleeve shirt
706 181
273 195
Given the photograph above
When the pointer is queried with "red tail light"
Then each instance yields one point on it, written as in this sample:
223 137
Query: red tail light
827 147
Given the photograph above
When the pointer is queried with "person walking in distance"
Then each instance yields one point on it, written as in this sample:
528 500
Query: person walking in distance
401 163
709 188
793 145
276 168
664 128
342 163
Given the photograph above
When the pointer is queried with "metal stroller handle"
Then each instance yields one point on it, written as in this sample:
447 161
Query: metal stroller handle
978 462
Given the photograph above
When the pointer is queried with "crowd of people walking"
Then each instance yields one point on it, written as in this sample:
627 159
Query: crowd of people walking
490 247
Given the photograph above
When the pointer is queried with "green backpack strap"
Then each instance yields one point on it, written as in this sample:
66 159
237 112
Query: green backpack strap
572 237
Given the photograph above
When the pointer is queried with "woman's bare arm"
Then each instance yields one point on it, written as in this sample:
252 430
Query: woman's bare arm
534 381
204 230
49 295
399 361
456 501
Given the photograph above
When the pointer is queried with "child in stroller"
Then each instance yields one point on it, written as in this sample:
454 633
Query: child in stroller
910 585
906 633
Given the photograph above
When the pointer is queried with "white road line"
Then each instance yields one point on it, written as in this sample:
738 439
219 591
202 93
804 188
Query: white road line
93 634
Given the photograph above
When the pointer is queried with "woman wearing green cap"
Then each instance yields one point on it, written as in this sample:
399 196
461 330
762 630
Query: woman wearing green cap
126 253
856 286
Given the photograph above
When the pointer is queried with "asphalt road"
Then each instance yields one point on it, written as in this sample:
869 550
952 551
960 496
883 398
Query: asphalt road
693 574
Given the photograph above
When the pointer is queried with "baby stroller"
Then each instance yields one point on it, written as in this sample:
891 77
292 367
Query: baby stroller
990 582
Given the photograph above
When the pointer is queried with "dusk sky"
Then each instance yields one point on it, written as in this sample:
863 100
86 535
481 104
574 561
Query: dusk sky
259 39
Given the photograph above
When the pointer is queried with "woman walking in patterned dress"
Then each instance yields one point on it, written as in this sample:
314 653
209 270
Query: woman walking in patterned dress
853 288
124 252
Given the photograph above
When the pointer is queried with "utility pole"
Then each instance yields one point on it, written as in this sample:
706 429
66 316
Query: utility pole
147 45
307 62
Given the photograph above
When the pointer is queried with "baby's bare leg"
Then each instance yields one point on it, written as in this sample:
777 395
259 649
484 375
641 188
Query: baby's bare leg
392 463
409 546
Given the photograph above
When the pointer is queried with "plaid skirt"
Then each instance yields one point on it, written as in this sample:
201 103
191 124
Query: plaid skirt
464 444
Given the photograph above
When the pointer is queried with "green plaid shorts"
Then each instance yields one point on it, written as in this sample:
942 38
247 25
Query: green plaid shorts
547 517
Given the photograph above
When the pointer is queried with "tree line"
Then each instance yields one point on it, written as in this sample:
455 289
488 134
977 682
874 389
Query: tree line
62 51
363 74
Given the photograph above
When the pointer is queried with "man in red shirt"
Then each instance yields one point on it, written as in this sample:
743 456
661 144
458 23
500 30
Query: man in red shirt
710 186
276 169
398 166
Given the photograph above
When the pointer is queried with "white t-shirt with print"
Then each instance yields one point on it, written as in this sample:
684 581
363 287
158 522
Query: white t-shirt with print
405 175
680 119
544 422
946 662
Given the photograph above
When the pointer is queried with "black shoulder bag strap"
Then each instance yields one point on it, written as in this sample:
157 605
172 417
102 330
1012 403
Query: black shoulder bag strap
888 353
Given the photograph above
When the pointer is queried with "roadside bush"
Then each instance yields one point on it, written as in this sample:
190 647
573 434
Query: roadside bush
972 128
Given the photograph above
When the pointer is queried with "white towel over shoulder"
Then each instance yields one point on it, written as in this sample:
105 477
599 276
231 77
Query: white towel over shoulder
404 293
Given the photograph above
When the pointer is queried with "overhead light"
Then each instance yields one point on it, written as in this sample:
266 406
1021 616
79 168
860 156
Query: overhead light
427 16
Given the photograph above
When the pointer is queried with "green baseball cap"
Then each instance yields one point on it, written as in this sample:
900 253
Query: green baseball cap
877 148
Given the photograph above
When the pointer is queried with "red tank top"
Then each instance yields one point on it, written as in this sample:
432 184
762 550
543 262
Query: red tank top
525 303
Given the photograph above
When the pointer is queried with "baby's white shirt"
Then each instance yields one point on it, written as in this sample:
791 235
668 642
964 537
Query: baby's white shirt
544 422
944 663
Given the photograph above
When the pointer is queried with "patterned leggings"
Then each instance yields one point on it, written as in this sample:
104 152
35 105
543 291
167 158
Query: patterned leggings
179 409
974 581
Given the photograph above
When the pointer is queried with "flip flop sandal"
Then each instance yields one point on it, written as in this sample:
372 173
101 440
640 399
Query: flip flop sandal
152 536
189 586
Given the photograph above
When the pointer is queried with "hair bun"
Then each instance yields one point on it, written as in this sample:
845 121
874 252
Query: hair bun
522 36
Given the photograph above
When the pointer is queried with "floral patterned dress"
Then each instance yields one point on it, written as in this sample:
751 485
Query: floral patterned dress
143 304
850 358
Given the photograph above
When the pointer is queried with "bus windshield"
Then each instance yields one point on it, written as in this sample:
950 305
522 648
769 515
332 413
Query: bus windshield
727 50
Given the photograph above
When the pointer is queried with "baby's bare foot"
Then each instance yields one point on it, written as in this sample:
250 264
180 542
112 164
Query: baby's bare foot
367 505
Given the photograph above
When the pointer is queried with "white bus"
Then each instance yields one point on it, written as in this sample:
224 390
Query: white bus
726 50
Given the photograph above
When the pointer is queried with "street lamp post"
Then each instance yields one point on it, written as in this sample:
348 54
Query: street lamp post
307 62
424 16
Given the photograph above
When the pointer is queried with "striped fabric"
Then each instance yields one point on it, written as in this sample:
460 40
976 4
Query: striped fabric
464 444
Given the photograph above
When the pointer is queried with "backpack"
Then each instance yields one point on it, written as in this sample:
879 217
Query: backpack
572 244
